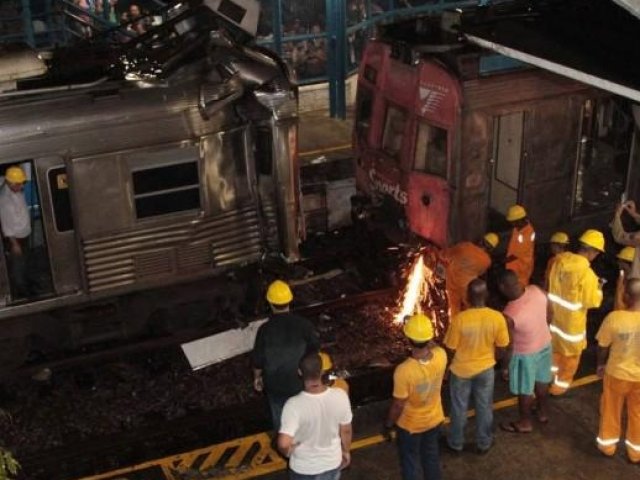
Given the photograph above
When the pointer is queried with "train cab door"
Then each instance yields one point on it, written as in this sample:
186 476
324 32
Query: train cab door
505 166
58 225
25 270
427 187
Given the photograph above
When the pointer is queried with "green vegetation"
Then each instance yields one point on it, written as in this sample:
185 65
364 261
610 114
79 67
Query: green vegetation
8 465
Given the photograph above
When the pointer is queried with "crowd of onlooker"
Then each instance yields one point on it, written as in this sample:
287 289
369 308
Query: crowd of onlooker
132 17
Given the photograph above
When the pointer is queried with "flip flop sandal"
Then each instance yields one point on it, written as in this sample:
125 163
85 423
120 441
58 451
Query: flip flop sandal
513 427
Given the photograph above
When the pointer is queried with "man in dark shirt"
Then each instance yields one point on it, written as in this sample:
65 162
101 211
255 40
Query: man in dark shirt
280 344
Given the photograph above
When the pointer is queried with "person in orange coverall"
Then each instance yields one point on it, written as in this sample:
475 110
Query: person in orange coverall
521 244
466 261
619 367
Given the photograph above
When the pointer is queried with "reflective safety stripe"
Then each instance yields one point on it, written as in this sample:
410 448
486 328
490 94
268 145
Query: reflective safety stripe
533 236
554 369
560 383
632 446
520 238
607 443
578 337
574 307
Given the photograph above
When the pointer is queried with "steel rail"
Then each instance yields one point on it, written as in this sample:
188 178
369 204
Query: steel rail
160 343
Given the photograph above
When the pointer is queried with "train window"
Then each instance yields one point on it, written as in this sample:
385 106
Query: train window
364 111
264 150
232 11
167 189
431 150
394 130
60 199
370 74
603 155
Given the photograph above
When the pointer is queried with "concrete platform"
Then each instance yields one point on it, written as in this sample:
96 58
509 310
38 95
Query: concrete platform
561 450
320 135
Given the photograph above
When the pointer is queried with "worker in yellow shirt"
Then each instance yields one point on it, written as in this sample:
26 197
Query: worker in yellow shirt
521 244
574 288
329 377
474 336
416 410
619 365
625 260
558 243
466 261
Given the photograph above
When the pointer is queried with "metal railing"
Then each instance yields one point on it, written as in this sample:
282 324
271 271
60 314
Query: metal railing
322 40
38 25
341 28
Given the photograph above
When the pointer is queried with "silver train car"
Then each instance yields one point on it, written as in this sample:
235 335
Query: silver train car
141 184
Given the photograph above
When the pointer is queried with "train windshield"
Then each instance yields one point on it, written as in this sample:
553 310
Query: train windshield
431 150
394 128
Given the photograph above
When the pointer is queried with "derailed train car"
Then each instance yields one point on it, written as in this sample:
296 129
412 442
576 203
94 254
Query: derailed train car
182 166
448 136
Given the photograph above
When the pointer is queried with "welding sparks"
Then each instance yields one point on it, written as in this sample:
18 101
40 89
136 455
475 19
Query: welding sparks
414 293
424 293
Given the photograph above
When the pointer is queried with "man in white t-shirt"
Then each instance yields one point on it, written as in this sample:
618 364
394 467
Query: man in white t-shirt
315 431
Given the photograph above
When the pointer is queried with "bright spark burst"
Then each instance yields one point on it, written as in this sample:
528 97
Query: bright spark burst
415 291
424 292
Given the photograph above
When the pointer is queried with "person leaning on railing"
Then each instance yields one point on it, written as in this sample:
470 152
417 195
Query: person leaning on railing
627 238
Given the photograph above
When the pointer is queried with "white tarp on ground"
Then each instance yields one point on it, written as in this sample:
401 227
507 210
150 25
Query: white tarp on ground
632 6
221 346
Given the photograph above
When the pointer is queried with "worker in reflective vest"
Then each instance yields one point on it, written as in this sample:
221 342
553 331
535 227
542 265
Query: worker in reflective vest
619 365
558 243
574 288
521 244
625 260
466 261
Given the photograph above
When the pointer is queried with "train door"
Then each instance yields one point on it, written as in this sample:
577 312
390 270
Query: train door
505 165
58 225
429 196
25 270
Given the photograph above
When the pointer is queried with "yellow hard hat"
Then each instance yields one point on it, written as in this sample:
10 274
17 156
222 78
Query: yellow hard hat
627 254
279 293
327 364
15 174
560 237
492 239
593 239
419 328
516 212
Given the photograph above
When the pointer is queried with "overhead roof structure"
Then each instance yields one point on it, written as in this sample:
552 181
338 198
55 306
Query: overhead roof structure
596 42
633 6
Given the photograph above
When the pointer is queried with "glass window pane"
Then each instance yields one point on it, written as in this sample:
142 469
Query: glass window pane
604 151
363 113
431 150
165 178
394 131
60 199
165 203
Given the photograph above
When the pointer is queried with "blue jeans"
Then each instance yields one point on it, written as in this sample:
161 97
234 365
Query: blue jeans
276 405
328 475
420 448
460 389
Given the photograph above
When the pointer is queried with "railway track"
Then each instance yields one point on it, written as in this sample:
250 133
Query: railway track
153 344
159 436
